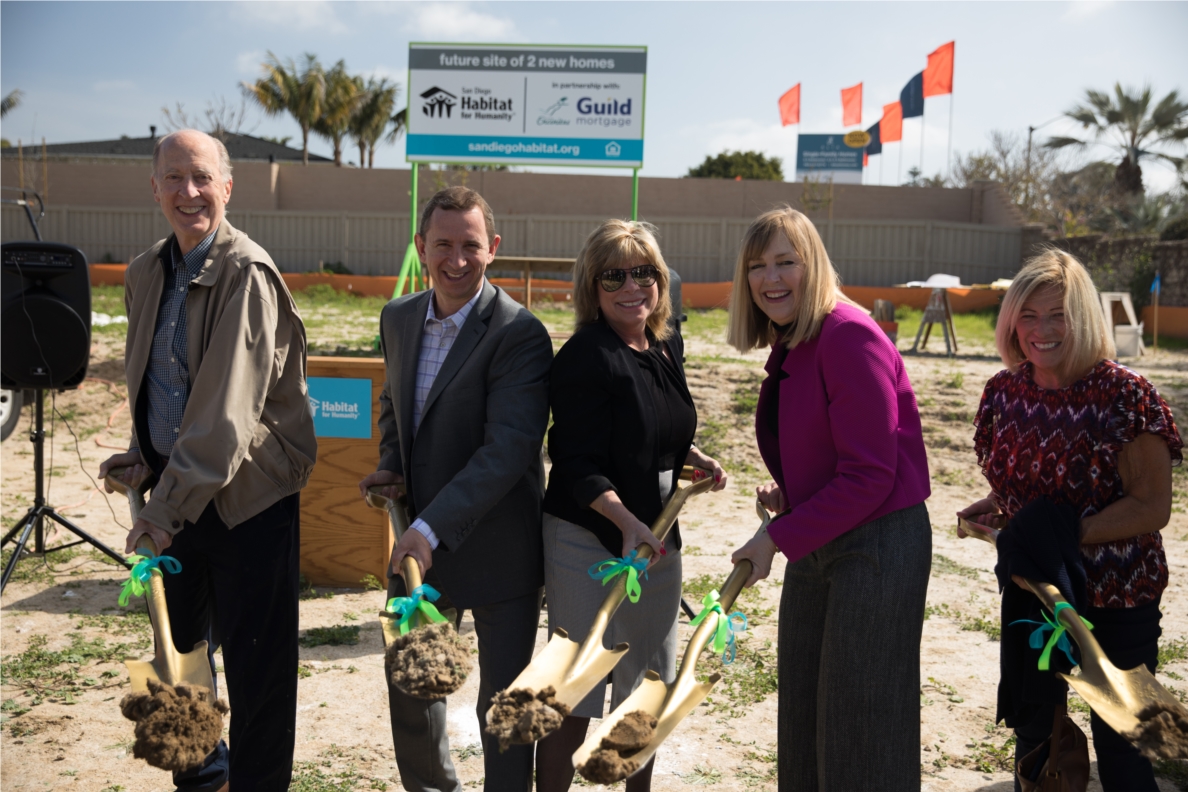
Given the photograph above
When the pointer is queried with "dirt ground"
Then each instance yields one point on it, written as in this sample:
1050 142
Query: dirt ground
63 638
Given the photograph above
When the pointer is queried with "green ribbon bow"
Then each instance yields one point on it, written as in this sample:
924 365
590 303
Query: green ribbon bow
724 633
1058 639
142 572
422 600
632 566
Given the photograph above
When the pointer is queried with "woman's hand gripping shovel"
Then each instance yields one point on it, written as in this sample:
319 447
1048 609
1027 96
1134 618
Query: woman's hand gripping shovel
178 719
1132 702
168 664
620 748
426 658
566 671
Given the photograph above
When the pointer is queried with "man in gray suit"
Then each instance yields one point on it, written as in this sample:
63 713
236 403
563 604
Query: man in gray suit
463 414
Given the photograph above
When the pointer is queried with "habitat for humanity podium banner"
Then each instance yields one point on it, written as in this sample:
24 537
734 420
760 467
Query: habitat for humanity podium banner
550 105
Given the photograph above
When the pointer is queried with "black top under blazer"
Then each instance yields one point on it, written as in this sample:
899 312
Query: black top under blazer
604 432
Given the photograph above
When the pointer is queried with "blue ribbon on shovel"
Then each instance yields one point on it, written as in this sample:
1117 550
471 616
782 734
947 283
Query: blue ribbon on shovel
1057 640
142 572
611 567
422 600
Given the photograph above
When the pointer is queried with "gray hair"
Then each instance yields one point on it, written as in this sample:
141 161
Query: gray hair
224 157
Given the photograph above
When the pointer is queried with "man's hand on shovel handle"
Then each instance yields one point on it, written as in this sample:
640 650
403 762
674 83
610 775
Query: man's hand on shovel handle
141 527
135 475
414 544
760 550
378 479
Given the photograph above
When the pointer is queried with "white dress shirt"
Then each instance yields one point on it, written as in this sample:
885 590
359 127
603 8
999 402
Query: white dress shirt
437 339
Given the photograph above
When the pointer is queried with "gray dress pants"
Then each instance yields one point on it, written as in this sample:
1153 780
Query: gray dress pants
851 617
506 633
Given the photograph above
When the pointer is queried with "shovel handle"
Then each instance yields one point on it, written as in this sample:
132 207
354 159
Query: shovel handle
398 519
115 478
742 570
987 533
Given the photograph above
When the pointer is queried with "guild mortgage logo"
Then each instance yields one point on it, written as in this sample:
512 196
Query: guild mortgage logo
607 113
334 409
438 102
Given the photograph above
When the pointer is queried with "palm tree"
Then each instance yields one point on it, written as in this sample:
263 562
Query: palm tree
399 123
372 117
1129 123
343 95
11 101
284 89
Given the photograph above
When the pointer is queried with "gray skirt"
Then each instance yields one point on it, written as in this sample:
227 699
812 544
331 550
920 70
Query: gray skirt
649 626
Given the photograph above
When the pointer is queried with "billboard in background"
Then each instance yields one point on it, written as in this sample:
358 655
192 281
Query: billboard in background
526 104
828 157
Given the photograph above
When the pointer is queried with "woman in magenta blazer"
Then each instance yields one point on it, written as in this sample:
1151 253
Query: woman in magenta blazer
838 428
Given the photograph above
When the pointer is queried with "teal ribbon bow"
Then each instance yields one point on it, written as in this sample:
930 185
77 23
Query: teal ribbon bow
142 572
422 600
631 565
727 628
1058 639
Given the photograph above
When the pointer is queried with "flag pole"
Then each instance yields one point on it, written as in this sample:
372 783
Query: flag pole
1157 290
922 145
899 165
880 169
949 155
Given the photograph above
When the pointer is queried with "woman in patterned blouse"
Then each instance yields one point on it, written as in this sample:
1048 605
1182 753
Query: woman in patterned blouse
1064 422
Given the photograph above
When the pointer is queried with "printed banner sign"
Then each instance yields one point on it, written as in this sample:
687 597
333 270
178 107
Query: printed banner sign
524 104
341 407
828 158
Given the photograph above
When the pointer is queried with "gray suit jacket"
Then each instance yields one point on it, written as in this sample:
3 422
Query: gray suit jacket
475 470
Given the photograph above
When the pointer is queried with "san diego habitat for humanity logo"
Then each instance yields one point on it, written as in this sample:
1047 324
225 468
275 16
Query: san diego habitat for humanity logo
438 102
333 409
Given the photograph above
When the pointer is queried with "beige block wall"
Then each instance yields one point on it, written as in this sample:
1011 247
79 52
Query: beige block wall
325 188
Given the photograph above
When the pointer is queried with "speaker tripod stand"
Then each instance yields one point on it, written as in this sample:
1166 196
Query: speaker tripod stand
33 523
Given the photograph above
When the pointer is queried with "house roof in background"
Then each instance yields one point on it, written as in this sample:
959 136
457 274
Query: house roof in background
240 147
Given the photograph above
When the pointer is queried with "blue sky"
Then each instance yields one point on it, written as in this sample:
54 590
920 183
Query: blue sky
97 70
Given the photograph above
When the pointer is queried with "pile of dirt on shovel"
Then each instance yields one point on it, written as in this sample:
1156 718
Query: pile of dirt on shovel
176 727
1162 732
430 662
610 763
521 716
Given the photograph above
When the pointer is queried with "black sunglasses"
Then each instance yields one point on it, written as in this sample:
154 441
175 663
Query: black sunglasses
613 279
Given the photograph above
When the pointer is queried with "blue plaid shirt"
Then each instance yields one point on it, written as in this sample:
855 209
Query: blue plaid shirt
168 374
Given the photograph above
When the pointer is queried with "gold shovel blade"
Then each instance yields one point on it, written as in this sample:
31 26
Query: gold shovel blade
557 665
192 668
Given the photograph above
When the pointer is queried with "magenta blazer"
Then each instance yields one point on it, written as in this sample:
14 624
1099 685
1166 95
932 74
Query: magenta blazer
849 447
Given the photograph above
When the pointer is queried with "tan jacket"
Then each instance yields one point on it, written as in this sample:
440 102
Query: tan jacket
247 437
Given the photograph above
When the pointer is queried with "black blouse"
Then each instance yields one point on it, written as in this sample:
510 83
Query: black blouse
620 417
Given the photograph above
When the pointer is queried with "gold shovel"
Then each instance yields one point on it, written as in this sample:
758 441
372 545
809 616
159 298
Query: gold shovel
670 705
574 669
168 664
398 519
1116 696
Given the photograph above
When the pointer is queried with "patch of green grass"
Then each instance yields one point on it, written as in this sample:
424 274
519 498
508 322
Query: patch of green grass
338 635
321 777
711 437
944 689
1171 651
943 565
744 399
748 600
983 623
708 323
133 621
308 592
372 583
1173 770
467 751
973 329
987 757
751 678
557 317
952 478
1077 704
702 775
58 675
31 569
109 300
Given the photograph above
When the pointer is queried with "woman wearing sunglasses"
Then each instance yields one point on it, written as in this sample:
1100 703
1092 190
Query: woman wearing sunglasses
623 425
838 428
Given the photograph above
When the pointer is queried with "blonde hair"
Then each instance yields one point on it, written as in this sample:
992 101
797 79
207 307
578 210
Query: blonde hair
1086 339
619 244
820 290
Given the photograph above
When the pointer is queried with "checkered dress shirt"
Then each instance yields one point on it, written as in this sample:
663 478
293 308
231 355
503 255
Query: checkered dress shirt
436 342
168 375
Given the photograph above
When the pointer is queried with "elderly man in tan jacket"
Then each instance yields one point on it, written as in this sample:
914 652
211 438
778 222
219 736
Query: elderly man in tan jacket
215 361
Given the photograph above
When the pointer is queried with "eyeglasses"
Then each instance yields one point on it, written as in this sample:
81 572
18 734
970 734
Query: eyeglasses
613 279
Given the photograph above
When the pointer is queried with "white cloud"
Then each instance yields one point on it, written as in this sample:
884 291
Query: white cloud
1081 10
317 15
457 21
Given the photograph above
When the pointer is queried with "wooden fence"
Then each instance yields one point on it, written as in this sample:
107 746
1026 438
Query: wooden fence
865 252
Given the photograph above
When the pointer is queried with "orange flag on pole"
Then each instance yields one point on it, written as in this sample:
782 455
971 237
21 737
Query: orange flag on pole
852 105
891 126
790 106
938 75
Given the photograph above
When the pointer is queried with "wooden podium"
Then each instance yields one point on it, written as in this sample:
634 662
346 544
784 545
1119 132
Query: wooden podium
342 539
